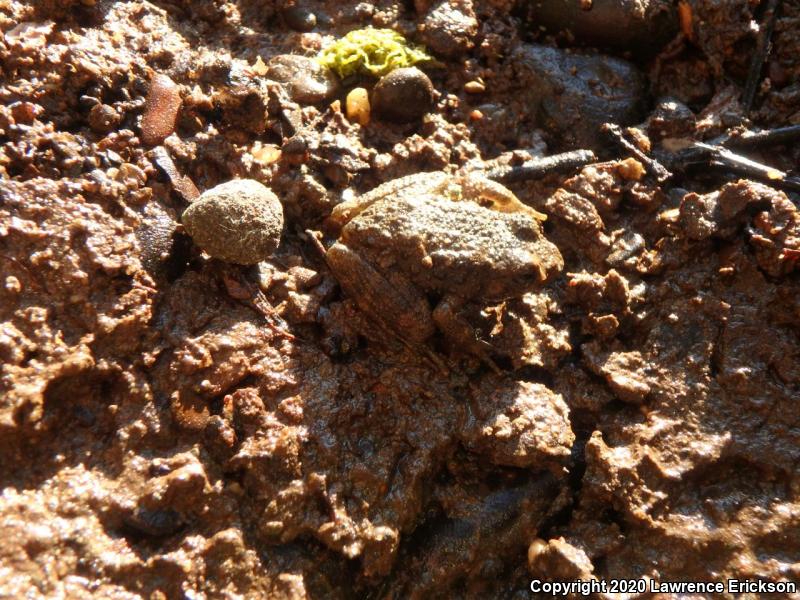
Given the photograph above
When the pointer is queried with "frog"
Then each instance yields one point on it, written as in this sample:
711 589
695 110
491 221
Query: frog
459 238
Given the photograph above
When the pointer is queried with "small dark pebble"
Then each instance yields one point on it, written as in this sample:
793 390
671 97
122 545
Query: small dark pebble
403 96
299 18
103 118
670 118
154 523
165 251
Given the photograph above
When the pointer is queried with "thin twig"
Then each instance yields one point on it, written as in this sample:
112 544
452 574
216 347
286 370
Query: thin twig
539 167
766 137
262 305
656 168
700 153
763 44
720 157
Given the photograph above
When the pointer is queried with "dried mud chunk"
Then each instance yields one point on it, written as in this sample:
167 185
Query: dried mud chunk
161 110
449 27
180 490
305 80
403 96
478 536
572 95
243 107
642 25
580 390
777 238
585 230
527 337
558 559
519 424
239 221
714 214
103 118
603 184
229 563
625 372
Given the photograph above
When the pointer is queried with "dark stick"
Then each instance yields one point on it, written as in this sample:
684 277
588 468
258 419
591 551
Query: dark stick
655 167
539 167
767 137
182 184
762 51
735 163
723 159
725 156
743 139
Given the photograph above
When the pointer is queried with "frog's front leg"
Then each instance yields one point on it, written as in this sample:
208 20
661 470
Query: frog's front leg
391 300
458 330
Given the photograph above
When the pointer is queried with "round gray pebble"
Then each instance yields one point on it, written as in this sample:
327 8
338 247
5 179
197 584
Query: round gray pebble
239 221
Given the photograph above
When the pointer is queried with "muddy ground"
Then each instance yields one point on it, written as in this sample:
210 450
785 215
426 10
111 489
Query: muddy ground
162 435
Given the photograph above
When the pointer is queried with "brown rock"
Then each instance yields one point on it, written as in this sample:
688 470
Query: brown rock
161 110
642 25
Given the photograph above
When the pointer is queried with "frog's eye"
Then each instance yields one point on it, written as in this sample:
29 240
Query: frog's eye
535 274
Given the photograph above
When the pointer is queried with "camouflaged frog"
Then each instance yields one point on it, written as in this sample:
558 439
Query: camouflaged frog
462 238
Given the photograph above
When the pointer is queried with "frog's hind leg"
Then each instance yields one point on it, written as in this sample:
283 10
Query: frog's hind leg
460 332
390 300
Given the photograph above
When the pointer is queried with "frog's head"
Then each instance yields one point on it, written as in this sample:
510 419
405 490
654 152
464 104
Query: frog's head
529 260
492 194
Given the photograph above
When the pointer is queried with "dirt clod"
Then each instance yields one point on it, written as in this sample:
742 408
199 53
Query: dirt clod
240 221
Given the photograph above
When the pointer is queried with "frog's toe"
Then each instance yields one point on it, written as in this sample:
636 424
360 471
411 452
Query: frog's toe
460 332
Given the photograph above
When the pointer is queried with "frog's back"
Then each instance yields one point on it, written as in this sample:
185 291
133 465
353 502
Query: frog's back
453 246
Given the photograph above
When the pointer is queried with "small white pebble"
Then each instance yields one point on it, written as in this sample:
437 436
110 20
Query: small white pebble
13 285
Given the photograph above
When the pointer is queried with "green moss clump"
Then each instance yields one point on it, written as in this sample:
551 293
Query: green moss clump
373 51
